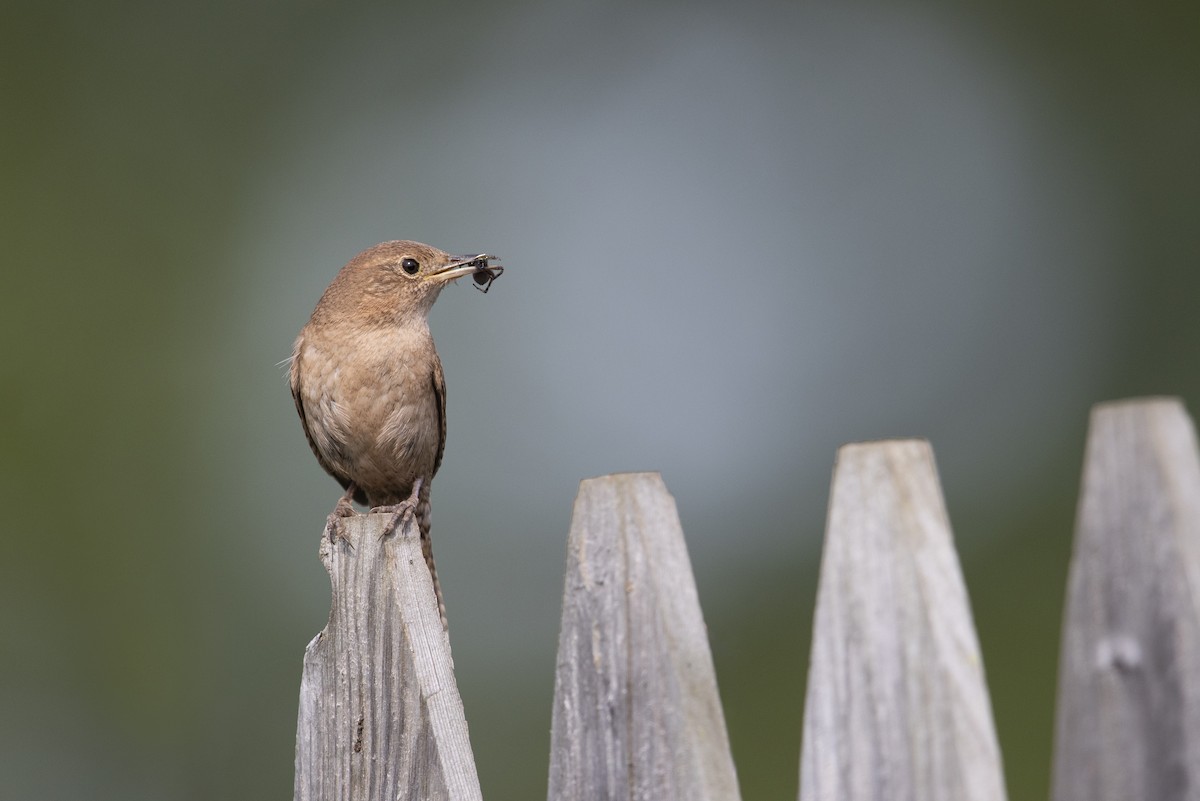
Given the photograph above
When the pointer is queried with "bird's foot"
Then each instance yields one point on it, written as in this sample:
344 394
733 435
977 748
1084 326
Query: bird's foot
400 512
333 527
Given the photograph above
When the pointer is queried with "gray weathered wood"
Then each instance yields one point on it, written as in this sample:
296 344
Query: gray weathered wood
1128 722
380 715
897 708
636 709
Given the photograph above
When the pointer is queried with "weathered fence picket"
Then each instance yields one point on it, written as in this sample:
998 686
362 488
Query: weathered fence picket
380 715
1129 677
636 710
897 706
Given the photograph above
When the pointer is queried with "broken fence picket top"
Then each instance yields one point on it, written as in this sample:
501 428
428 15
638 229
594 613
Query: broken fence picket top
380 715
897 706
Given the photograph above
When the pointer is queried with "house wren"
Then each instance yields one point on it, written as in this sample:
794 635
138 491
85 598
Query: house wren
368 382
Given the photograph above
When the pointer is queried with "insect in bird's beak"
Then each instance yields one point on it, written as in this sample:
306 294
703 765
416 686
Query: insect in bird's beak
485 273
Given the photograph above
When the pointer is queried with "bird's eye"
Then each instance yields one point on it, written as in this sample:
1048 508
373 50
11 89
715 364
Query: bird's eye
410 266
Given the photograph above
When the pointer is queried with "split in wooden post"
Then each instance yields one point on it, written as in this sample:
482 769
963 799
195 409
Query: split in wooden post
380 715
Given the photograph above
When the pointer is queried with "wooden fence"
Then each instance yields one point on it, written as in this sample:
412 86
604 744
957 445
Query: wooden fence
897 705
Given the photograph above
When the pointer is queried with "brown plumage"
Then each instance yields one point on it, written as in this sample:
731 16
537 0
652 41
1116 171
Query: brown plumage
368 383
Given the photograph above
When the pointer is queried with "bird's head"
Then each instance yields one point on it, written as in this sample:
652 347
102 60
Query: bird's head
396 282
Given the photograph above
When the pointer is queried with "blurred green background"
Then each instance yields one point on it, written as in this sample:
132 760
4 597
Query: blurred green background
737 235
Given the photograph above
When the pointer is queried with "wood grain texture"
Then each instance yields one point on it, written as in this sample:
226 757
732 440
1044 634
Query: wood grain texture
1128 724
636 709
380 715
897 706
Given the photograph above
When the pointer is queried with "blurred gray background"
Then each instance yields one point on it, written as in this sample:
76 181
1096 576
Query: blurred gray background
737 236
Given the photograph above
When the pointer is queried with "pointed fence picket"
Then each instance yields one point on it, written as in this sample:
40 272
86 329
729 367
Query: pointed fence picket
897 705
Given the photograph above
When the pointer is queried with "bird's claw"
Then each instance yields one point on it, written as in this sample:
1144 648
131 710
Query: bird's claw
333 527
402 512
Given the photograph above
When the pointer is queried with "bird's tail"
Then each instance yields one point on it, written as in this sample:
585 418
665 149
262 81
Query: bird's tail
423 514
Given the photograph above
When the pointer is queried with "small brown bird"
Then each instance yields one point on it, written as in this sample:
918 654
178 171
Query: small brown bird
368 382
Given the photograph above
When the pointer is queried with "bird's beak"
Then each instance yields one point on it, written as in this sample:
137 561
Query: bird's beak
461 265
466 265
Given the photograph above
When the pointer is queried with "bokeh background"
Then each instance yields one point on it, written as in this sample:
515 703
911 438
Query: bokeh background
737 235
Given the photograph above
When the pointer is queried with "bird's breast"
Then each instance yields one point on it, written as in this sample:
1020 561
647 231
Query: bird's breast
372 408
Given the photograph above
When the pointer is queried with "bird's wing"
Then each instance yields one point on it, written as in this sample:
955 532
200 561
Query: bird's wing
439 390
294 383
